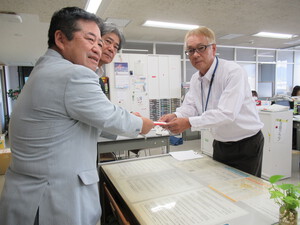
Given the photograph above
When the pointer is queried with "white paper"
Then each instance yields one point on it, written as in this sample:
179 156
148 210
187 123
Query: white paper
186 155
209 171
136 168
122 81
184 208
241 189
274 108
156 185
280 130
138 68
159 123
264 205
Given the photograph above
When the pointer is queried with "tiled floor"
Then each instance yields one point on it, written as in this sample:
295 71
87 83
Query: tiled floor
195 145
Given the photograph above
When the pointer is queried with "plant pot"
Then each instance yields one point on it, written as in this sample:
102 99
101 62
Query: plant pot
287 216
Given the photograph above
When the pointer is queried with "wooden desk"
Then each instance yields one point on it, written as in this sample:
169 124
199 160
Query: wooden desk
161 190
121 144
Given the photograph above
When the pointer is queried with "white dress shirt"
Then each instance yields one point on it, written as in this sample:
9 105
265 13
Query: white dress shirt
231 114
100 71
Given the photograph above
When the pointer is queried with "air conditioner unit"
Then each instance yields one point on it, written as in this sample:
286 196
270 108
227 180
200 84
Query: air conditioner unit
10 17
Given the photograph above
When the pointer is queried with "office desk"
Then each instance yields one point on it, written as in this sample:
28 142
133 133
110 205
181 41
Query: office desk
121 144
161 190
296 125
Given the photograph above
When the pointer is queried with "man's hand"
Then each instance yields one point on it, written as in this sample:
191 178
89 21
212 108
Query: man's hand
147 125
168 117
136 114
178 125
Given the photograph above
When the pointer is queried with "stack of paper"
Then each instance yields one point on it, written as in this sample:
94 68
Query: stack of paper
274 108
185 155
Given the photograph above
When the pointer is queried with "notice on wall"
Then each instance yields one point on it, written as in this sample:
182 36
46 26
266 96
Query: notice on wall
121 75
121 96
280 130
138 68
121 68
122 81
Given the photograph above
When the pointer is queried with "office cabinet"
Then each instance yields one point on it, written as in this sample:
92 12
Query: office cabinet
164 76
277 155
148 84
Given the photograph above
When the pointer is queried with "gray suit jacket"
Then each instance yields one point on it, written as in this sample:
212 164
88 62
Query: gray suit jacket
53 132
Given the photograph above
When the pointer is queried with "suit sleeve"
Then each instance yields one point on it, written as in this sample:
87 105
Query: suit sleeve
85 102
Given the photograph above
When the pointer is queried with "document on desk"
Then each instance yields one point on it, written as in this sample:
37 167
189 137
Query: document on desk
265 206
149 186
209 171
241 189
185 155
201 207
137 167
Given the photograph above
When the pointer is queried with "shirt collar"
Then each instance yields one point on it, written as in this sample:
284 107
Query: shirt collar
209 73
100 71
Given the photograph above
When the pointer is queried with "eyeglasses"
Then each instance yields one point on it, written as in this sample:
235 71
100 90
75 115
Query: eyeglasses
199 49
109 41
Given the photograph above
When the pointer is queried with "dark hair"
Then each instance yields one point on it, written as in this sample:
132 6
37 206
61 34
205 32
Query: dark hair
295 90
66 21
112 28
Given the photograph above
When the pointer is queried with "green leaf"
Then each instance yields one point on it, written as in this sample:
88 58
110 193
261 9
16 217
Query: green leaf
275 178
285 195
276 194
286 186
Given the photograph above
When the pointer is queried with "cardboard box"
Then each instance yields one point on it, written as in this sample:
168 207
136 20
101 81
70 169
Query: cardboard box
5 157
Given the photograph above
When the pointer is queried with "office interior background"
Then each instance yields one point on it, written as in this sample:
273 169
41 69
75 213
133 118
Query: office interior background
272 64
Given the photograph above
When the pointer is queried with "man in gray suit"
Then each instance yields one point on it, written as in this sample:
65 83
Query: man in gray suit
53 179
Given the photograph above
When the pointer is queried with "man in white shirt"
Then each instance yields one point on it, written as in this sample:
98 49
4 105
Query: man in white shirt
220 99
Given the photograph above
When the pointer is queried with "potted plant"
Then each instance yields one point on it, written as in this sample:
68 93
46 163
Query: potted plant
287 196
13 94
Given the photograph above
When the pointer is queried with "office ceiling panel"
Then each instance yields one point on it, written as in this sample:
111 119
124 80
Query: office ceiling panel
239 19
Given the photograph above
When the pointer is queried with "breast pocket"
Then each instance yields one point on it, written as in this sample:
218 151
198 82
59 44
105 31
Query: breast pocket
89 177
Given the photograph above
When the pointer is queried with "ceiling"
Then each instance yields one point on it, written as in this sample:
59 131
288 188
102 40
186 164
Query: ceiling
22 43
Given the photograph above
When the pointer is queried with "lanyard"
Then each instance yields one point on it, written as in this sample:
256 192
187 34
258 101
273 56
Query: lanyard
210 84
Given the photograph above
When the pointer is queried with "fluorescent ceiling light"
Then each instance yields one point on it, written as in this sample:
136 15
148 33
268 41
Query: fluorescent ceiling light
178 26
92 5
274 35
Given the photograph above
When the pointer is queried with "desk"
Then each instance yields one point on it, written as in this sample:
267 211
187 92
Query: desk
296 125
161 190
122 143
